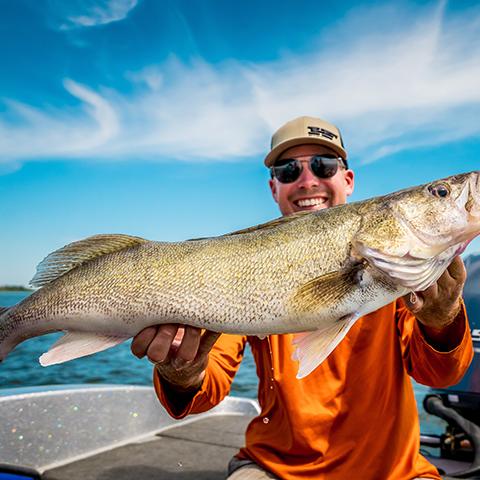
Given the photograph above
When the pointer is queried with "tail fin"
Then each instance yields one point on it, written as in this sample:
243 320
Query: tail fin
3 311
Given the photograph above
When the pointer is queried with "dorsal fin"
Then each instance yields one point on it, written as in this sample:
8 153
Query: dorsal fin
77 253
271 224
261 226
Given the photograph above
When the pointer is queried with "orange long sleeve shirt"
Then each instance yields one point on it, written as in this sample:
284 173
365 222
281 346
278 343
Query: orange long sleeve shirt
355 416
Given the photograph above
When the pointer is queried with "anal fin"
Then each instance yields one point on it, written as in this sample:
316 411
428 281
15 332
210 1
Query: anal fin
78 344
312 348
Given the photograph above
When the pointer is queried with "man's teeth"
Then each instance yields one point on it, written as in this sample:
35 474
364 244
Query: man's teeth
310 202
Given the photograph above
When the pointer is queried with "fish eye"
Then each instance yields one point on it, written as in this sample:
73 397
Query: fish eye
441 190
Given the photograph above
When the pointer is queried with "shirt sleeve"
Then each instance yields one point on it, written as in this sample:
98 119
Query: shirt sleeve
223 363
423 362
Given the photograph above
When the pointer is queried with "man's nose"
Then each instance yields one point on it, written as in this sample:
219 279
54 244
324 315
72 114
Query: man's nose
307 179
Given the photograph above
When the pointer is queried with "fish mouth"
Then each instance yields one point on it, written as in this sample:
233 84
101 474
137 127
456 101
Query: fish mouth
472 203
469 200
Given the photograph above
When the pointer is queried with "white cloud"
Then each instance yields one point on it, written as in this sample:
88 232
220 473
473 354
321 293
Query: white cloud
33 133
151 76
389 89
89 13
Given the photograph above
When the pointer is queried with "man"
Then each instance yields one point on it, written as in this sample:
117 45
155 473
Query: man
355 415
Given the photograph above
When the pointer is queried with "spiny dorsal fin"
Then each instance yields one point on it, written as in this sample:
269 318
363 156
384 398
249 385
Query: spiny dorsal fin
77 253
271 224
262 226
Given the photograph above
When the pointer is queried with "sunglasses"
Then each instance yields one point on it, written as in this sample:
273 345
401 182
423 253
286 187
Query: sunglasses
288 170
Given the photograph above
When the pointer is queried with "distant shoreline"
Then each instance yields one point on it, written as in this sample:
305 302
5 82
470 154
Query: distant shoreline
14 288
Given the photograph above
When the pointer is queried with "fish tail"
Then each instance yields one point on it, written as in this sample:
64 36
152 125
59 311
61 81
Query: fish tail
4 348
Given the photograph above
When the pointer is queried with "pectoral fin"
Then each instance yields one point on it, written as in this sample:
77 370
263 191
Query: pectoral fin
327 290
78 344
312 348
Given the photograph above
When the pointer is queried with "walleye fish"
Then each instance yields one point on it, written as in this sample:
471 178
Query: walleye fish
312 274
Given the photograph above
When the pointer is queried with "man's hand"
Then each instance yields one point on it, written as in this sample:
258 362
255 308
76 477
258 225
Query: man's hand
437 307
179 353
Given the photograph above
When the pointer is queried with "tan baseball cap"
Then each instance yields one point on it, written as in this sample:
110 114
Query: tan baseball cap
303 130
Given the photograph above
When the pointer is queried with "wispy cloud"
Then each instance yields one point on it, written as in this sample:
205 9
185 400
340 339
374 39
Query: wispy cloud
150 76
398 88
89 13
34 133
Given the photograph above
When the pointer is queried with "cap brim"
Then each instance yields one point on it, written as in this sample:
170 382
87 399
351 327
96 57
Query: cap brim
281 147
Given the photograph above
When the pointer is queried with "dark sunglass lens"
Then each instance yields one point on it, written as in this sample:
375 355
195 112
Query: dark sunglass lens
324 167
287 172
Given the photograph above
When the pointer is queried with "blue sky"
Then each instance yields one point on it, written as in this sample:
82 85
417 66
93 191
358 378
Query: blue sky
152 117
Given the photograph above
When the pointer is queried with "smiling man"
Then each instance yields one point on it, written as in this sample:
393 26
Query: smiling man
355 415
304 176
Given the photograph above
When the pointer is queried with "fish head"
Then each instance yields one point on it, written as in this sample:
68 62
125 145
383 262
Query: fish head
413 235
440 215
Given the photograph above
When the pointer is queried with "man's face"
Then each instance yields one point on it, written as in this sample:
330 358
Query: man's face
309 192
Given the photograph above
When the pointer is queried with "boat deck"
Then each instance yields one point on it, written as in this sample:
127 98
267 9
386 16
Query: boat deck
197 450
115 432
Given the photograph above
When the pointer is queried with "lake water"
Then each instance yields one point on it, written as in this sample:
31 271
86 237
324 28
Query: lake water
118 365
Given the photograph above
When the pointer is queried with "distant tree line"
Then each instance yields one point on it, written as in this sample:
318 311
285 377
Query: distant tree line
14 288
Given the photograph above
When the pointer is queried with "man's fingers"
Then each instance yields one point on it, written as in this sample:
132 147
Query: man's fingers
452 281
179 352
457 270
430 292
186 367
178 337
187 351
142 341
207 342
160 345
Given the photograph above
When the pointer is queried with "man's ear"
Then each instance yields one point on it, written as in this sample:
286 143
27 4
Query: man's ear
349 182
273 189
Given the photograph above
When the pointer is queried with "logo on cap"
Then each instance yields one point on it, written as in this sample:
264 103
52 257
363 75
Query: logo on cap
317 131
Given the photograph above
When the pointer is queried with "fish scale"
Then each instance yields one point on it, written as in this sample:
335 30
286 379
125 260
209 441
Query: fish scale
312 274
